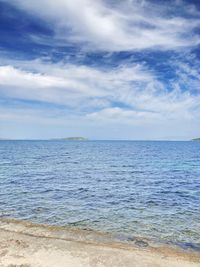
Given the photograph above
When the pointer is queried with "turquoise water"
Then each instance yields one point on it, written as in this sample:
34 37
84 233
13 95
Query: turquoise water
146 189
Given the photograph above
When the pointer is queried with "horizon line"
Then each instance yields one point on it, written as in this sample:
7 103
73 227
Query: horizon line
62 139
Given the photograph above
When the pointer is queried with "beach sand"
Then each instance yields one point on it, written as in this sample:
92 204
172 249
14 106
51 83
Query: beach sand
23 244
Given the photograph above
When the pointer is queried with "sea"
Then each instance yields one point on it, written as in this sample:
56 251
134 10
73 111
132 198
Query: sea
146 189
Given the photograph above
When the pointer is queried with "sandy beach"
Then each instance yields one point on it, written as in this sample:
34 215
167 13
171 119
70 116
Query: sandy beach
23 244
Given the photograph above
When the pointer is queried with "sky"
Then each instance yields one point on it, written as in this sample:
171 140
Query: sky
102 69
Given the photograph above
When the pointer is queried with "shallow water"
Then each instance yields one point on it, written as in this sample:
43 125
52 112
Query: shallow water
146 189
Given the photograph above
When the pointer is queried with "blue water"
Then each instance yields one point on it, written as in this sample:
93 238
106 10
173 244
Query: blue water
146 189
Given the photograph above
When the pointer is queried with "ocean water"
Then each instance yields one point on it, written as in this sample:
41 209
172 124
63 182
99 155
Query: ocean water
134 188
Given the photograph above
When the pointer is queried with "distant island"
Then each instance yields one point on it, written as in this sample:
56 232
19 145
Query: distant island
196 139
71 139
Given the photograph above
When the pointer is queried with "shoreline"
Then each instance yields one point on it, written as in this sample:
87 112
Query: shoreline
25 244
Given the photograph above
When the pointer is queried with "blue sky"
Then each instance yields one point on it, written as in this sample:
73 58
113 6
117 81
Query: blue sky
110 69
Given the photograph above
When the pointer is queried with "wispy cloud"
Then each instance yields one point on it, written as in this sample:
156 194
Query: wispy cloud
120 26
67 83
132 90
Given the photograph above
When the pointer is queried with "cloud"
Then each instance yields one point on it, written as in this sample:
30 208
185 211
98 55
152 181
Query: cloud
71 84
187 76
53 88
118 26
125 93
124 116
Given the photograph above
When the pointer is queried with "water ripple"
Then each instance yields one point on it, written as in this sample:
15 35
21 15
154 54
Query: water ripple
146 189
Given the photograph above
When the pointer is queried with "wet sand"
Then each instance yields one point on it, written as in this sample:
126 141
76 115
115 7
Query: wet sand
23 244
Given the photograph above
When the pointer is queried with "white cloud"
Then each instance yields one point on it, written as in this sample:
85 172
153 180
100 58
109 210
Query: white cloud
124 116
126 25
126 93
54 88
71 84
